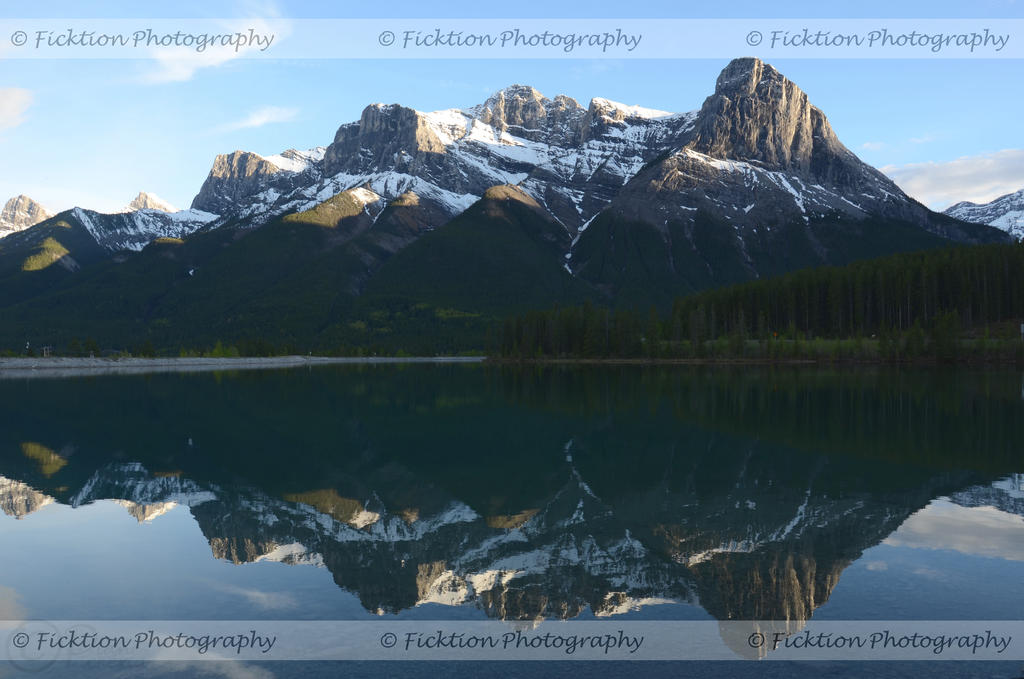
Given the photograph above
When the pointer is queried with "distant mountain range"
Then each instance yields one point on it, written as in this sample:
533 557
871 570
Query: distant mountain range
1005 213
520 202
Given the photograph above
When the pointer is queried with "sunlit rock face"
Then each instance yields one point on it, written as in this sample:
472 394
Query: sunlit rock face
19 213
19 500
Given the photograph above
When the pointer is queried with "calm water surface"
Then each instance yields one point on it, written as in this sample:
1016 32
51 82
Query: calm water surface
475 492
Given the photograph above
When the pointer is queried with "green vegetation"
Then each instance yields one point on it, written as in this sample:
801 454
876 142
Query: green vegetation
329 213
638 263
49 252
952 304
334 281
49 462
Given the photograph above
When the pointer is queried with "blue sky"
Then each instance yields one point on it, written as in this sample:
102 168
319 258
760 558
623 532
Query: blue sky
95 132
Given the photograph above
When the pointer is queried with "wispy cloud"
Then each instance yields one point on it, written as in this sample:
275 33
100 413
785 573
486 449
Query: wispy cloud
223 667
180 64
922 140
262 116
978 531
14 101
873 145
262 599
978 179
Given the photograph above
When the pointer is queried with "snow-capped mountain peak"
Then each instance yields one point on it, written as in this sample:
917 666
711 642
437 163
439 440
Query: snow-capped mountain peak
294 160
149 201
618 111
1005 212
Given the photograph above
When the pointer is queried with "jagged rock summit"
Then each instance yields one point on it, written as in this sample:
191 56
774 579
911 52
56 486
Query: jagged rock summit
148 201
20 213
761 155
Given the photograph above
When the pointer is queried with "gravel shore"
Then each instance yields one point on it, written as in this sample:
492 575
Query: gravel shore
11 368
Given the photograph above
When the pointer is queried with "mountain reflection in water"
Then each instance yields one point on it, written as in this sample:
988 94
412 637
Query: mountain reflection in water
530 493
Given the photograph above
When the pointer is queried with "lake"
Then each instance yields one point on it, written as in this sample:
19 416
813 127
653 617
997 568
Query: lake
479 494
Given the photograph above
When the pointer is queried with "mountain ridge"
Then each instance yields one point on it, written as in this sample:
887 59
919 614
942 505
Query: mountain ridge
1005 213
398 219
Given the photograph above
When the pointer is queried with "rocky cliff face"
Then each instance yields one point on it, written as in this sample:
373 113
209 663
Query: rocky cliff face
1005 213
757 114
234 179
383 135
19 213
18 499
760 155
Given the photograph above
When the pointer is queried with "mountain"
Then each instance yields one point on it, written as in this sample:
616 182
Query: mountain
411 228
1005 213
569 158
761 185
20 213
19 500
148 201
133 230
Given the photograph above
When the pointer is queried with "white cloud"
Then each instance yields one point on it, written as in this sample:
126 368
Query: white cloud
262 116
14 101
921 140
228 668
978 179
873 145
978 531
262 599
180 64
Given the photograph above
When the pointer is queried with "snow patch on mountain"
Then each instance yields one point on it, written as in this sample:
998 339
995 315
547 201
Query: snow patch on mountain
148 201
135 230
1005 213
297 161
386 185
131 482
629 111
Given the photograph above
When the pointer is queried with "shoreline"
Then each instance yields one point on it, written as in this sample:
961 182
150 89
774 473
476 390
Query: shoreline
60 366
12 368
725 361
